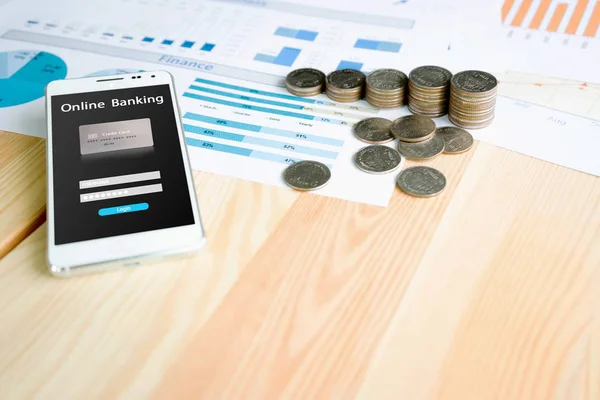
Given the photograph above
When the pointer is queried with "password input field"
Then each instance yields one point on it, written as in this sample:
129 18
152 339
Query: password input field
118 193
117 180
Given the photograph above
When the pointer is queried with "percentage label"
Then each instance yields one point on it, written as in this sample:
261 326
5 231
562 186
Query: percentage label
300 136
208 132
209 145
289 161
288 146
221 122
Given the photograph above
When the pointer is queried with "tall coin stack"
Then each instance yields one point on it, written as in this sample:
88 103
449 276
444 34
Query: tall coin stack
386 88
473 99
305 82
428 91
345 85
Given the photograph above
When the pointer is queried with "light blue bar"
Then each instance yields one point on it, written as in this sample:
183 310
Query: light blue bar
255 91
287 56
198 130
274 157
247 98
222 122
128 37
306 35
33 22
390 47
366 44
349 64
234 137
249 107
129 208
287 32
218 147
264 58
290 147
264 129
108 34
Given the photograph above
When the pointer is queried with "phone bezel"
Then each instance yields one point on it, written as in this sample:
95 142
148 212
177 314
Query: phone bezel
90 255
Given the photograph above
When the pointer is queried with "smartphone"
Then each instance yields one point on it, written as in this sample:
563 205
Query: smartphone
120 190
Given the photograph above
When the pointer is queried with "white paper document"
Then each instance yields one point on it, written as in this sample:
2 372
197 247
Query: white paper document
238 119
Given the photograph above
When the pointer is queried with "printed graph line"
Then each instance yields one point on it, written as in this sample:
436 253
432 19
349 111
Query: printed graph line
284 96
234 137
264 129
274 111
274 103
241 151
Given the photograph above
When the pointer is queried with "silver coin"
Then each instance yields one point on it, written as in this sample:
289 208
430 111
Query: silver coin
413 128
456 140
346 79
373 130
430 76
307 175
422 150
421 181
377 159
387 79
474 81
305 78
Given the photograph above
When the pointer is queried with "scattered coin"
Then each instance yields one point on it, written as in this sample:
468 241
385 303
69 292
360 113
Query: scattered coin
377 159
413 128
345 85
456 140
472 99
305 82
373 130
386 88
421 181
307 175
422 150
428 90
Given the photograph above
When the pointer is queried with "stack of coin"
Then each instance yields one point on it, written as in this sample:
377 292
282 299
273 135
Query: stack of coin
472 99
428 91
416 137
345 85
386 88
305 82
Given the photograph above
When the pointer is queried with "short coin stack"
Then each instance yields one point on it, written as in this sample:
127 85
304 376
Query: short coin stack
305 82
472 99
416 137
386 88
345 85
428 91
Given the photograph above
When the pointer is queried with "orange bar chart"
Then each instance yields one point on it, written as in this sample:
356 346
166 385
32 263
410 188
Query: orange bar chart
557 17
576 17
506 8
592 27
536 22
521 13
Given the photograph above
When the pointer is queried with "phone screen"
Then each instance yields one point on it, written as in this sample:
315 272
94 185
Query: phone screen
118 164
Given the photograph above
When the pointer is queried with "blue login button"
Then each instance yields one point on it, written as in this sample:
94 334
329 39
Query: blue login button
103 212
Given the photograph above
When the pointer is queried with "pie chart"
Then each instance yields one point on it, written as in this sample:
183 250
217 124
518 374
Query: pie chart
25 74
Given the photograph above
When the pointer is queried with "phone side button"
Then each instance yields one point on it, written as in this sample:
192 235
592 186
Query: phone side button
103 212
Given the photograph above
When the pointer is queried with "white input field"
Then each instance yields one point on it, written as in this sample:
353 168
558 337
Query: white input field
117 180
118 193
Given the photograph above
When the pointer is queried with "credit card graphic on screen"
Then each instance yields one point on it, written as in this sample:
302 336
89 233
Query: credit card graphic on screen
113 136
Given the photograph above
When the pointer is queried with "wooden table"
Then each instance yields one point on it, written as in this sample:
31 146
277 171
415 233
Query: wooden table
489 291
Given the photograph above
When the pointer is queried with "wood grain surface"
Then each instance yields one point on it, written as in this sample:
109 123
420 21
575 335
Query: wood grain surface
489 291
22 188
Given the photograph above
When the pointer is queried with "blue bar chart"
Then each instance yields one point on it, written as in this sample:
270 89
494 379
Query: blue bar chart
264 129
234 137
296 33
187 44
286 57
350 65
391 47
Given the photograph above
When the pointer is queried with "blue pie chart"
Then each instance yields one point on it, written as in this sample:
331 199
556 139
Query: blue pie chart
25 74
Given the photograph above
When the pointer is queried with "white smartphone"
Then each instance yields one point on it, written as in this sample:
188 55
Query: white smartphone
120 188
